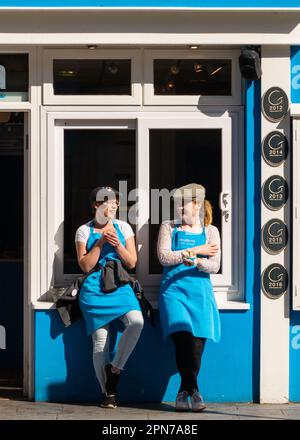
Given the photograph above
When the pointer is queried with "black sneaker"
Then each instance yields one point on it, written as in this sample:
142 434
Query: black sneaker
109 402
112 380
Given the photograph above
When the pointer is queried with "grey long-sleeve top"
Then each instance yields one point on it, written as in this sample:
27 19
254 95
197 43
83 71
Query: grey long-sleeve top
167 257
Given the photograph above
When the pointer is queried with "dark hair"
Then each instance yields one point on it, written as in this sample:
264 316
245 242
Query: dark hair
106 191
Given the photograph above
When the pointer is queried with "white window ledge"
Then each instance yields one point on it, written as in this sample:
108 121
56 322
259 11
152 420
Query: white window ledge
222 305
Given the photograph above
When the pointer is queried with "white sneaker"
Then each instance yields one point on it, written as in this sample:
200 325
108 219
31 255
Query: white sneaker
197 402
182 401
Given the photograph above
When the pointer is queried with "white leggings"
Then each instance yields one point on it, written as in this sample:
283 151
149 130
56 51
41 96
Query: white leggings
133 322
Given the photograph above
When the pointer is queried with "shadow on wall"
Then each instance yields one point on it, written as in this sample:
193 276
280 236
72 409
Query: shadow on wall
145 376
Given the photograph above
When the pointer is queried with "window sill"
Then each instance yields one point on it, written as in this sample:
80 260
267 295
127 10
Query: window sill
222 305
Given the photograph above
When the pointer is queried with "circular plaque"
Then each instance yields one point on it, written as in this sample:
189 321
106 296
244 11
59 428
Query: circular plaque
275 104
275 192
274 280
275 148
274 236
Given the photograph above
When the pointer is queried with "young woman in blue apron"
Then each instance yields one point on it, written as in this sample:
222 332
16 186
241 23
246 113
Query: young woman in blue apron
188 310
102 239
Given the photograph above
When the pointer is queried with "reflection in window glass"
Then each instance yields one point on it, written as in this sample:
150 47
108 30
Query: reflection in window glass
12 185
92 158
192 77
92 77
179 157
13 77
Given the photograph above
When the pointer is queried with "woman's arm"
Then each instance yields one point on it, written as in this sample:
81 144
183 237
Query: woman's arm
88 260
166 256
211 264
126 253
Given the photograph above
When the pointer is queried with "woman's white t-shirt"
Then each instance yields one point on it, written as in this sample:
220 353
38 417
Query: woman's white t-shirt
83 232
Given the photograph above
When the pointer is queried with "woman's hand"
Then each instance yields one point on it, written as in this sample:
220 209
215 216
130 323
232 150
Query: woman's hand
189 258
111 237
206 249
188 262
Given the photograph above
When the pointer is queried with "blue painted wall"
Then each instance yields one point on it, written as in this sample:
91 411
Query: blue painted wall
295 74
152 3
230 369
295 316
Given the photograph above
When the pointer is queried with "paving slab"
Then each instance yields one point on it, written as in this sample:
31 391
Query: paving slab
20 409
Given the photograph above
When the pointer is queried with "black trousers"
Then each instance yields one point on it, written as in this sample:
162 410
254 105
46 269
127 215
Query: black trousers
189 350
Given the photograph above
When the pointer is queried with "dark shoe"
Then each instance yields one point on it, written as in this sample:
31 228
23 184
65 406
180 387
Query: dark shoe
109 402
112 380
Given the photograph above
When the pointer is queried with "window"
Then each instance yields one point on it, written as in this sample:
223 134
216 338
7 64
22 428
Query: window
180 152
192 77
92 158
148 151
182 149
11 184
14 77
92 77
83 156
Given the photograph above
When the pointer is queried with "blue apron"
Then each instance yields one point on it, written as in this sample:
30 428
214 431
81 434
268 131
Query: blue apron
186 300
100 308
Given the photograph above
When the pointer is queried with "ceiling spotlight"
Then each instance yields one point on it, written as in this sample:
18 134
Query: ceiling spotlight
175 70
170 85
92 46
198 67
113 68
193 46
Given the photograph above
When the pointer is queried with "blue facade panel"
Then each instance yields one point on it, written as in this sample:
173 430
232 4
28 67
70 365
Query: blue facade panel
295 74
65 373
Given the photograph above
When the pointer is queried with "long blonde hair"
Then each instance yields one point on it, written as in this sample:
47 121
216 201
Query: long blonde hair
208 214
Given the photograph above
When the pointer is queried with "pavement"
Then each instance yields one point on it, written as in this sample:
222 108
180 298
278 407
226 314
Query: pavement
18 408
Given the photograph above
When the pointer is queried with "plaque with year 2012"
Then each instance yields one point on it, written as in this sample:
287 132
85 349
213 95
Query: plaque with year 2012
275 104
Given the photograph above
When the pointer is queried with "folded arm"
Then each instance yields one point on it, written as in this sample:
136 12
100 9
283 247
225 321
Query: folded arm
211 264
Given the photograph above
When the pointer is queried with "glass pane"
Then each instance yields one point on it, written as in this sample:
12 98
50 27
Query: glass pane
13 77
192 77
179 157
92 77
12 185
92 158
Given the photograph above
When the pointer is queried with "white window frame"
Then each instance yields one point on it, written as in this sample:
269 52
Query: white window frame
55 180
227 282
228 287
10 102
151 99
49 98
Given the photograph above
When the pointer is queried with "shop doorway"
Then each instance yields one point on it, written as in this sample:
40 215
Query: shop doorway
12 141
